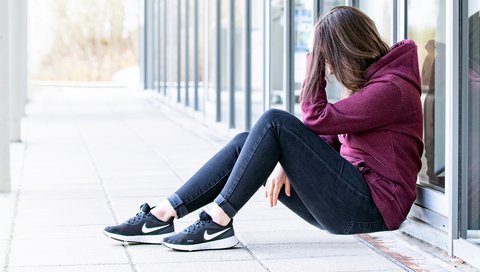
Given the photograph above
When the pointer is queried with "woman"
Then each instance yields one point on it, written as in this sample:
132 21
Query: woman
358 176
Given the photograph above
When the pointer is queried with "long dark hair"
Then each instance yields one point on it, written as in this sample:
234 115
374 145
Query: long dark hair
348 40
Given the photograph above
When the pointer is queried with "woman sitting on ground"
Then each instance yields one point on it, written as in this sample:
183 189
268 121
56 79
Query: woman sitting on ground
349 167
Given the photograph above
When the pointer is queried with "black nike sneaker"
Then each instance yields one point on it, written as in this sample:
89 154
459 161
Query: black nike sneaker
143 228
202 235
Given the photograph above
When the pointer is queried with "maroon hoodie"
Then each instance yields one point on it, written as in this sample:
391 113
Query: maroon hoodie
379 129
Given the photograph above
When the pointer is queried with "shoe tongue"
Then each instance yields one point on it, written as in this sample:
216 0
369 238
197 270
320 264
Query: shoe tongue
145 208
205 216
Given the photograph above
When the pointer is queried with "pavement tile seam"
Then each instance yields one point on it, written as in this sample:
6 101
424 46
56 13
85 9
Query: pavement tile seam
107 196
70 265
260 261
17 192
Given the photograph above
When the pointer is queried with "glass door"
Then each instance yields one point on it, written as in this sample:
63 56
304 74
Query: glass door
429 33
470 186
467 247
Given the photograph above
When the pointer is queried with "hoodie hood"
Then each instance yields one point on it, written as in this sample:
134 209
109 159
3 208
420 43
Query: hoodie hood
400 61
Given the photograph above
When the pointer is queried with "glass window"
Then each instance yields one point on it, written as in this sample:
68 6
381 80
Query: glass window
156 45
161 46
257 58
381 13
471 137
428 32
201 69
239 65
182 47
172 47
303 17
277 19
210 43
189 44
304 22
223 60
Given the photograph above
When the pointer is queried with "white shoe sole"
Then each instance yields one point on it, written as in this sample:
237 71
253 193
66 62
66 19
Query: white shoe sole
219 244
144 239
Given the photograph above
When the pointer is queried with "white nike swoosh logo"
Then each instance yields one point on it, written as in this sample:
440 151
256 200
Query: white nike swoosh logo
148 230
209 237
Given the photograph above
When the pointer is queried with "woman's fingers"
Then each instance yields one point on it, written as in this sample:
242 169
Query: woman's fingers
276 192
287 187
270 193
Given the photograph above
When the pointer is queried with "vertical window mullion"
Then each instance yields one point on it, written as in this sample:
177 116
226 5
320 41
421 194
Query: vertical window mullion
231 63
164 70
195 55
187 28
218 63
248 64
289 81
179 49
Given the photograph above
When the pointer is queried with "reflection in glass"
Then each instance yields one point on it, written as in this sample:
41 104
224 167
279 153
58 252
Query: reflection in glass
472 103
428 32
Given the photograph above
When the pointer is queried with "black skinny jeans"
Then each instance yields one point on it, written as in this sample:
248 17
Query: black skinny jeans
327 191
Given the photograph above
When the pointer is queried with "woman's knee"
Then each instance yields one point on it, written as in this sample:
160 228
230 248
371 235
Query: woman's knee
239 140
274 114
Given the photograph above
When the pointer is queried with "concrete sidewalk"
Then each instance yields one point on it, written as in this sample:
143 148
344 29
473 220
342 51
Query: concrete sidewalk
91 157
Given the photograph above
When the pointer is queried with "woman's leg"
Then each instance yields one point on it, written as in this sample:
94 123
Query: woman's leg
151 225
331 189
206 183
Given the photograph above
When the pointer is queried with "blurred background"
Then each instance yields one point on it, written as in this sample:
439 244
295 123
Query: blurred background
83 40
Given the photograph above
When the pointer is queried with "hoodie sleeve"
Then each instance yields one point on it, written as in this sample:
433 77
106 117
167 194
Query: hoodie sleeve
375 105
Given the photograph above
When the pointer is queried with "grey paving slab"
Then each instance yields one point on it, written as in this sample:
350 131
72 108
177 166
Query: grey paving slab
270 225
69 251
83 194
49 206
83 219
304 236
153 190
262 211
410 254
73 268
144 254
23 232
333 263
141 179
315 250
159 186
231 266
7 204
3 252
132 204
5 228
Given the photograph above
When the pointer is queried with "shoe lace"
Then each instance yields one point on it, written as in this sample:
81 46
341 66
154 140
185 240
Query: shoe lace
137 218
195 226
